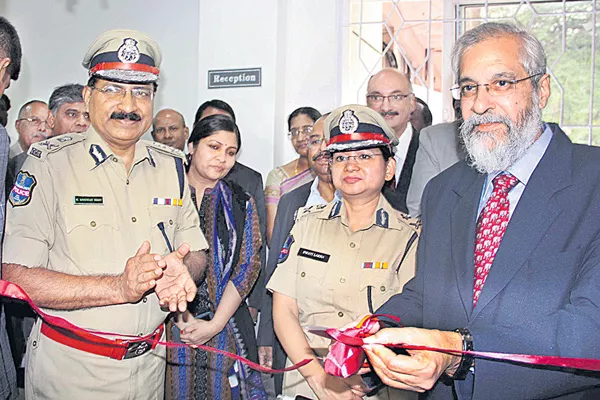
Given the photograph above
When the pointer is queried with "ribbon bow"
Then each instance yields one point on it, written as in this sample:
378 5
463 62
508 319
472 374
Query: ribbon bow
346 355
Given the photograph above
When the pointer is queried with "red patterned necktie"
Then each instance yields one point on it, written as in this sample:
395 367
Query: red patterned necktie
491 225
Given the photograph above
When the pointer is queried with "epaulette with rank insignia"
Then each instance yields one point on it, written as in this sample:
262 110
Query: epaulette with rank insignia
163 148
41 149
415 222
305 211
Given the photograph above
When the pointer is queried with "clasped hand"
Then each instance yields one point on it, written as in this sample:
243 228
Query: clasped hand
168 276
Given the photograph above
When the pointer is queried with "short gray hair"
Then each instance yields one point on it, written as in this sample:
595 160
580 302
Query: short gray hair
531 54
70 93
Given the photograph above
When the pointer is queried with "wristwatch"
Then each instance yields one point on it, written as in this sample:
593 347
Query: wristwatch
467 362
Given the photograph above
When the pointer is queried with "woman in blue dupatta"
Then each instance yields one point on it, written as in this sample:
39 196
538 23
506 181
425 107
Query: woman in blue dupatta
218 317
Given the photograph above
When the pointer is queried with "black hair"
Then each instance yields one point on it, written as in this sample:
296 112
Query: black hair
10 46
214 103
95 78
427 117
4 102
4 107
213 123
308 111
69 93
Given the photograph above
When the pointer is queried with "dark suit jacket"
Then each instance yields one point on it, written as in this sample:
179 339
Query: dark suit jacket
542 293
396 195
284 221
12 169
251 181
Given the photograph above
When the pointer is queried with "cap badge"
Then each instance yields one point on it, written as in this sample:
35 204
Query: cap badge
348 122
129 52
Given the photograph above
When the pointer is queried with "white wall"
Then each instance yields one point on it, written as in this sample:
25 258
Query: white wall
55 35
294 41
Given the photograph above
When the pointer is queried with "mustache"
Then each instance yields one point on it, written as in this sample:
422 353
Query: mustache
321 154
123 115
477 119
389 113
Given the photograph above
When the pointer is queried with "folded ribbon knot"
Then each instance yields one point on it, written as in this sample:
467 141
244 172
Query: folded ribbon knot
346 355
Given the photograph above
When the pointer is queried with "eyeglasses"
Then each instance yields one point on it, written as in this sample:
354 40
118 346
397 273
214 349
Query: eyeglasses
119 92
363 158
34 121
498 87
392 98
295 132
315 141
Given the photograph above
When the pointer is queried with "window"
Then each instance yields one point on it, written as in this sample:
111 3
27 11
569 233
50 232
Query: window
417 37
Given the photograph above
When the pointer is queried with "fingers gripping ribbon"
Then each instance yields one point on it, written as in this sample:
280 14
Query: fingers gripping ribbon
346 355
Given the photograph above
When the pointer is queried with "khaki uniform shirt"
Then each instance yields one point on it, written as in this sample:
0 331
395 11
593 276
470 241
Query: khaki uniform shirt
337 275
76 210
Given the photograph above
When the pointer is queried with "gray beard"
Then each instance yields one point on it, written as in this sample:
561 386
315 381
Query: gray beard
491 152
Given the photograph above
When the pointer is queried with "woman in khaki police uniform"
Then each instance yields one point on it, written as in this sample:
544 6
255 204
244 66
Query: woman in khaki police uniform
344 259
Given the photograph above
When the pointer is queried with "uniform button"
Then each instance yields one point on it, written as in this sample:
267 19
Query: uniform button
342 280
93 224
145 299
34 343
114 159
133 219
170 222
303 274
352 245
127 182
382 288
340 314
140 334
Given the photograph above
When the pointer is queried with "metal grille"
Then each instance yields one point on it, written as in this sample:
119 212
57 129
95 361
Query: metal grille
417 37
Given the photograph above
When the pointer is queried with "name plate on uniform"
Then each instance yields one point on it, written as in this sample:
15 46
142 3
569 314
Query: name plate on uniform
313 255
227 78
83 200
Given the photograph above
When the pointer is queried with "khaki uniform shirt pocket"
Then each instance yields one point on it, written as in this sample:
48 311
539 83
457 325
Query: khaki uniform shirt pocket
86 228
163 225
376 287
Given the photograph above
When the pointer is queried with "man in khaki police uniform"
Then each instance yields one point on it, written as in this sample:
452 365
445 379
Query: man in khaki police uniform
101 231
330 271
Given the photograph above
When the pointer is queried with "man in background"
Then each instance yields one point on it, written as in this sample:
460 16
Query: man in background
168 127
421 116
32 125
68 110
389 92
439 148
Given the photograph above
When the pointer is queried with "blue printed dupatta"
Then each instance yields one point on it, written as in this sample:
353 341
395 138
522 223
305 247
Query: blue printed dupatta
230 224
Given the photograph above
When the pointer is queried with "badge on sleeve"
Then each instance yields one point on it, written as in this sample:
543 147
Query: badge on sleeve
285 250
20 195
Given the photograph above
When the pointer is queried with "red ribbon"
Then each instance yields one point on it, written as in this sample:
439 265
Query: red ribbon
8 289
346 355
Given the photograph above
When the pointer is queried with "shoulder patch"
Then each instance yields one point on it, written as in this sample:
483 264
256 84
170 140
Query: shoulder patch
20 195
163 148
41 149
285 250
